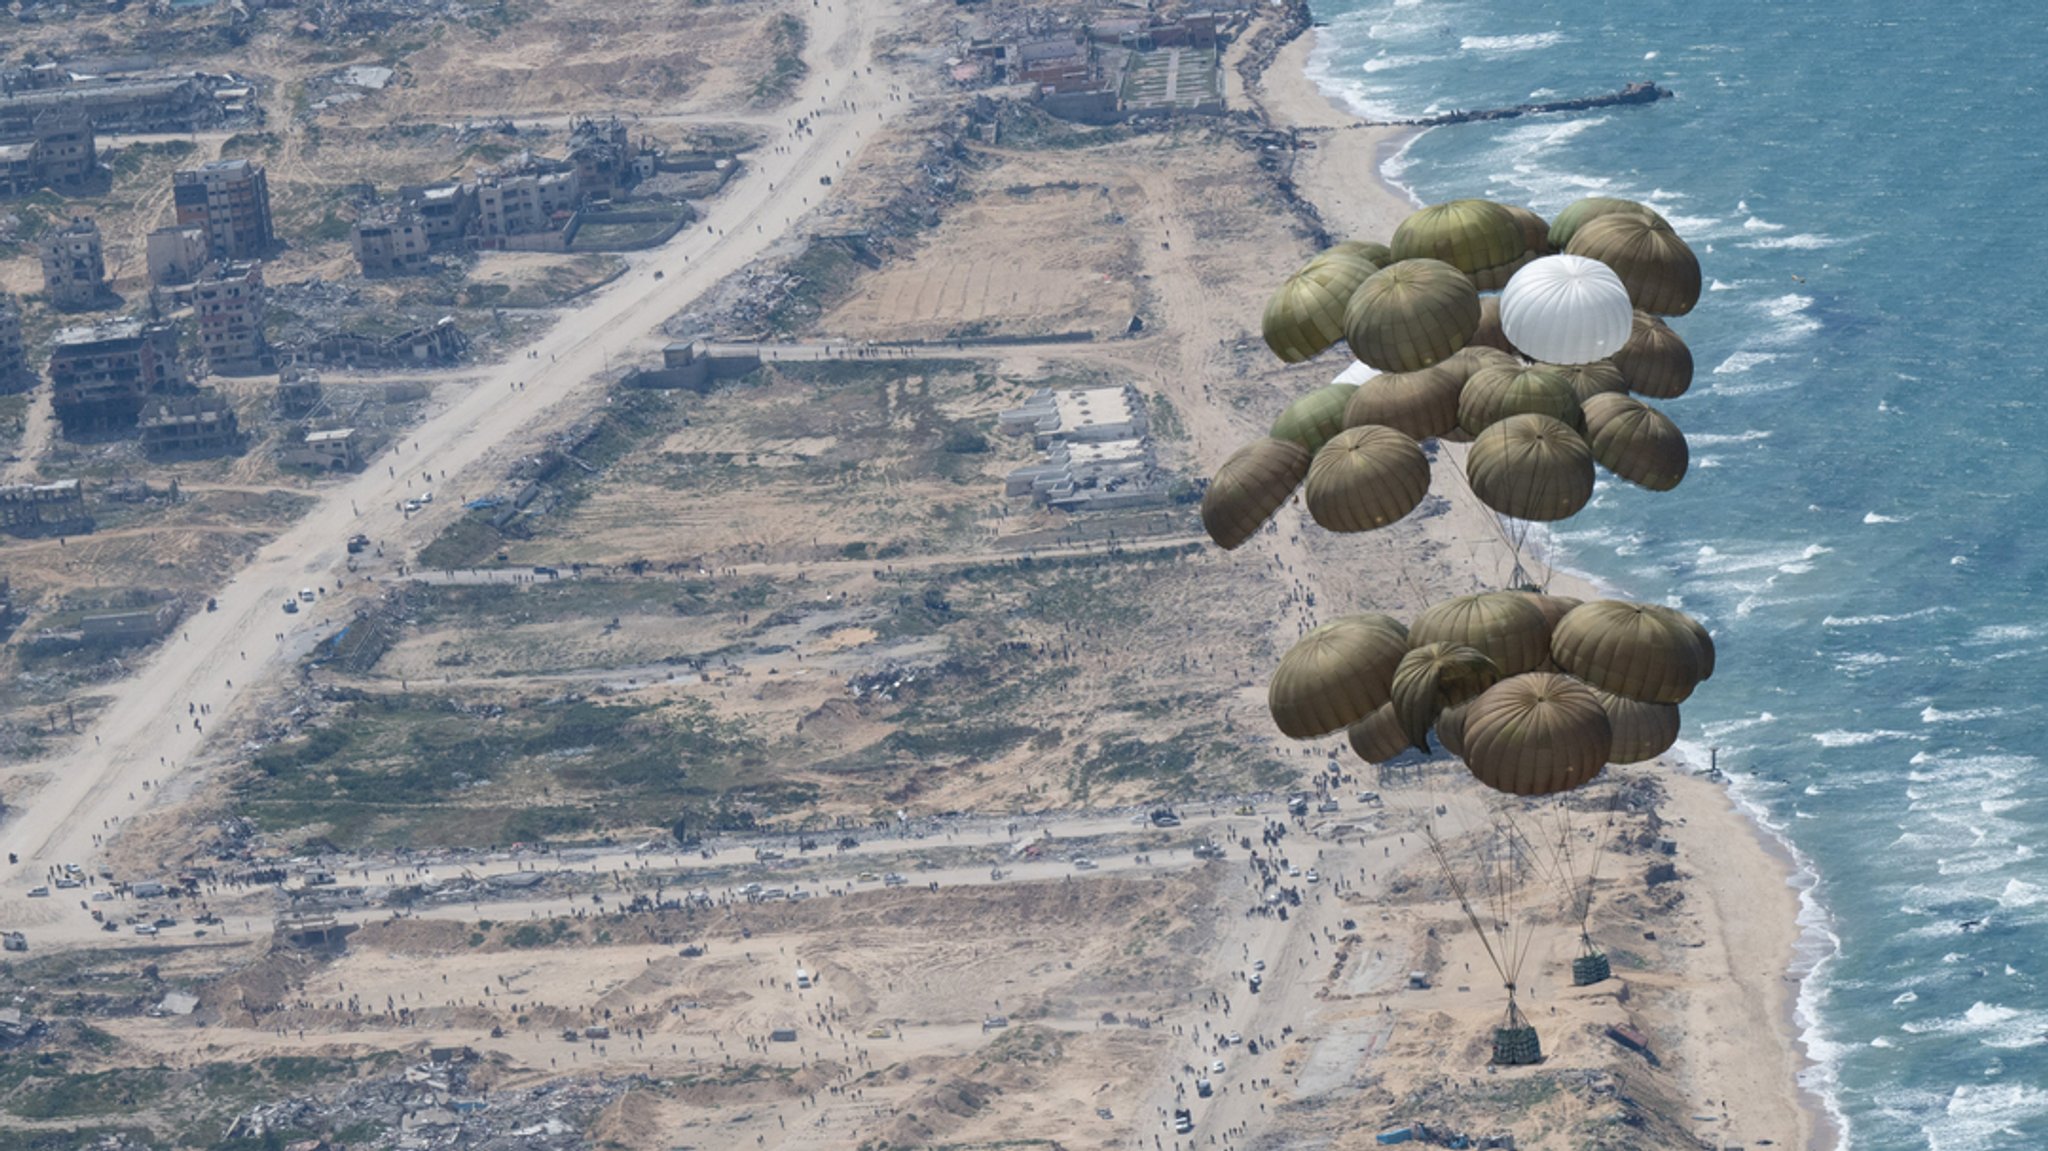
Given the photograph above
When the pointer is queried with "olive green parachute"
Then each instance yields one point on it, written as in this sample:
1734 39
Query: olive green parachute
1504 626
1377 738
1642 731
1379 254
1473 357
1493 394
1659 270
1531 467
1420 405
1306 315
1433 677
1706 642
1589 380
1336 675
1311 420
1249 487
1636 441
1641 651
1535 232
1410 315
1365 478
1478 237
1489 334
1450 729
1553 607
1537 734
1579 213
1655 361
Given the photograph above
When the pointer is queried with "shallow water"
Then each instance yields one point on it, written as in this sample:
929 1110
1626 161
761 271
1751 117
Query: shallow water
1868 425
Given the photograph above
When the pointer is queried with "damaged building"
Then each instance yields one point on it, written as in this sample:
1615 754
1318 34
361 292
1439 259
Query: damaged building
230 199
101 374
56 508
441 342
202 424
535 200
141 101
391 242
46 148
15 373
74 267
228 304
177 254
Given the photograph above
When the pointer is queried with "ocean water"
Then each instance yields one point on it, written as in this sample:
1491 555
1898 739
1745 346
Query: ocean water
1863 527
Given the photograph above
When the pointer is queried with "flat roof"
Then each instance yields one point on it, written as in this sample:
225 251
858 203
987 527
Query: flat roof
124 328
1082 407
335 435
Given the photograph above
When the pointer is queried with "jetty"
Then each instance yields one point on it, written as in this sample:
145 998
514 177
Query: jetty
1638 93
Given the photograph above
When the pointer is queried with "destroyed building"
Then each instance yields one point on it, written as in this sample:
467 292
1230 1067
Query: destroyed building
56 508
605 161
15 374
178 254
231 200
100 374
441 342
74 267
48 147
392 242
444 210
228 303
146 101
194 425
1098 450
299 393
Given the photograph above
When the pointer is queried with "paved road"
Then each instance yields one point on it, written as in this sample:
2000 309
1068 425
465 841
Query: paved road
144 737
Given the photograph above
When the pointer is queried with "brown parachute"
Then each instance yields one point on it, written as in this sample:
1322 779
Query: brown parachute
1366 478
1531 467
1249 487
1336 675
1536 734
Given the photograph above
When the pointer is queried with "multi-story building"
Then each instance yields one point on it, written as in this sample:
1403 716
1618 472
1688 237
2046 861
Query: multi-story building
444 210
100 374
178 254
74 267
530 202
228 303
231 200
50 147
201 424
15 374
391 243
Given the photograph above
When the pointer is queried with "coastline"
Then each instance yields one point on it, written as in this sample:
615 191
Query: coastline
1738 1010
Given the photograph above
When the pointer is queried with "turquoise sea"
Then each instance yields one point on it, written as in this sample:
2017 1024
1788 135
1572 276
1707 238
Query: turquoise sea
1863 528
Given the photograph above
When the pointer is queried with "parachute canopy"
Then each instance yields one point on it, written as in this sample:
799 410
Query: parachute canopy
1311 420
1433 677
1579 213
1531 467
1536 734
1496 392
1504 626
1655 361
1366 477
1478 237
1410 315
1641 651
1659 269
1336 675
1636 441
1306 315
1566 310
1249 487
1420 405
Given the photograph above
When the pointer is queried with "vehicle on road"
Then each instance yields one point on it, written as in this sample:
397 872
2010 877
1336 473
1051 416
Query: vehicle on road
39 892
866 877
308 595
358 543
1312 877
1216 1067
1165 818
893 880
1254 983
1258 965
1232 1039
1083 863
1183 1122
1327 805
1293 872
1204 1088
291 606
145 929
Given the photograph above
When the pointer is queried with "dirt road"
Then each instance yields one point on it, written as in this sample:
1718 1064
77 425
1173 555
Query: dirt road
127 757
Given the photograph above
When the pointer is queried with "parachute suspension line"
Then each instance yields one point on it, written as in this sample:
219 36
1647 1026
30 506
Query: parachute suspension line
1443 862
1503 526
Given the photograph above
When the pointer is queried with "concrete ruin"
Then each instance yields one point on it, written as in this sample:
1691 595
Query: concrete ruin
231 200
177 254
228 304
15 373
74 267
695 367
115 100
56 508
440 342
202 424
101 374
299 393
46 148
392 242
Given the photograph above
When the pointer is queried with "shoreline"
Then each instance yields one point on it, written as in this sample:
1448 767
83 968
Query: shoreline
1760 907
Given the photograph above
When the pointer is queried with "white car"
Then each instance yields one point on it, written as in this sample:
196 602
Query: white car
1233 1039
1216 1067
1312 877
1083 863
1293 872
1258 965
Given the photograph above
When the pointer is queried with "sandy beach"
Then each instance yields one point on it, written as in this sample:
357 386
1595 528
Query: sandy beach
1731 1003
